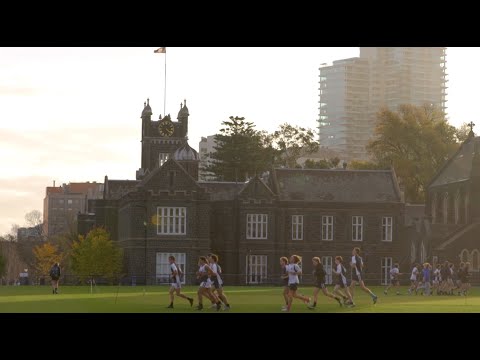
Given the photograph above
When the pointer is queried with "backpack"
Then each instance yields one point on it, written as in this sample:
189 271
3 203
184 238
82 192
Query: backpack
55 271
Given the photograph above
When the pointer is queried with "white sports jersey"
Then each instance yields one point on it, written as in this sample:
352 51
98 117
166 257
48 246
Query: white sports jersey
339 272
437 275
216 269
413 277
394 273
293 278
175 278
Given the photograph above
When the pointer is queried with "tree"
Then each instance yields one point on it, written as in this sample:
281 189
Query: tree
416 140
462 132
96 255
292 142
320 164
3 265
46 255
240 151
34 219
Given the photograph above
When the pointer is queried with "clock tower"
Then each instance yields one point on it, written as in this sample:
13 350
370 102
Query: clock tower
161 138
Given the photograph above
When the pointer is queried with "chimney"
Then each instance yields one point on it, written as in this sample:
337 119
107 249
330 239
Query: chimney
53 183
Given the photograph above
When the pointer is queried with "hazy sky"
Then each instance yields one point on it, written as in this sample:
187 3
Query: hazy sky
73 114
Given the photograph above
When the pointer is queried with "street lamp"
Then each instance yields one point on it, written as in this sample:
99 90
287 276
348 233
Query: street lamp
145 223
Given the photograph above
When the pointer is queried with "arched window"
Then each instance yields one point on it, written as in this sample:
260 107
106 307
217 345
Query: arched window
423 253
445 208
464 255
475 260
434 208
457 207
467 204
413 253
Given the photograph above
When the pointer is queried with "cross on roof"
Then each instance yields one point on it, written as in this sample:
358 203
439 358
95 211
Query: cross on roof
471 125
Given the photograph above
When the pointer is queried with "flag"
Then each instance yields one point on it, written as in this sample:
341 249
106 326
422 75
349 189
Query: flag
161 50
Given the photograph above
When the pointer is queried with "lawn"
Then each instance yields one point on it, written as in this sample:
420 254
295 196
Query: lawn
104 299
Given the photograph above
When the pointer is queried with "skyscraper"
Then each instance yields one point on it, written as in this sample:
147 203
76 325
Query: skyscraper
353 90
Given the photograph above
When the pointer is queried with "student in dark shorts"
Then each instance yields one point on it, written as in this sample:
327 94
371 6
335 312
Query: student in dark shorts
341 282
284 277
319 278
55 274
357 274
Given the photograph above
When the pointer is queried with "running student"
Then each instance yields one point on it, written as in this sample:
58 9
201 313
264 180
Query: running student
175 283
203 274
319 276
284 277
394 279
413 278
357 275
293 271
341 282
217 281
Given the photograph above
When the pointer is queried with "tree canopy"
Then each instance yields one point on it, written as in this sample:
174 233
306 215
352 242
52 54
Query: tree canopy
96 255
416 140
45 256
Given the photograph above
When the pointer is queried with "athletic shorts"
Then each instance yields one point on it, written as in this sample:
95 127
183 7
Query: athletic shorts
176 285
55 278
356 277
216 284
293 287
206 284
341 284
320 285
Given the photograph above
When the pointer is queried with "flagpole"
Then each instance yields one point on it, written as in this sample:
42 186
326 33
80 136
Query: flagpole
165 89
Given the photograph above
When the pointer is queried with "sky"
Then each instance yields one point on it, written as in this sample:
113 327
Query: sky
73 114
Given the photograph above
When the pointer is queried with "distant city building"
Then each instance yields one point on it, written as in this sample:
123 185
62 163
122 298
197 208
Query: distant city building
62 204
206 147
34 233
353 90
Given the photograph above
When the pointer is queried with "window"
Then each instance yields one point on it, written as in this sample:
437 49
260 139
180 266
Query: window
387 225
475 260
297 227
357 228
256 269
162 158
69 201
327 227
163 267
386 267
171 220
434 208
256 226
464 255
327 265
435 261
457 208
423 253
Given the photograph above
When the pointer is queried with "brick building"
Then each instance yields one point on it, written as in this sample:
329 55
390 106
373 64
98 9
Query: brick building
167 210
453 210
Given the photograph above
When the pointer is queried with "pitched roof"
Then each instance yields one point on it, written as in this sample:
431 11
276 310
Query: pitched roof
458 167
82 188
337 185
221 190
115 189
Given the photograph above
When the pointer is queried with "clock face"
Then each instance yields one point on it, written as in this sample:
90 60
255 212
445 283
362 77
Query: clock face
165 128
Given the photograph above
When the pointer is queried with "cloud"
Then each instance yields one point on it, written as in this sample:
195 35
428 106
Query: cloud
7 90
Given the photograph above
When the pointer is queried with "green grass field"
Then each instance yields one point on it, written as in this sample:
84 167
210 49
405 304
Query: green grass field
103 299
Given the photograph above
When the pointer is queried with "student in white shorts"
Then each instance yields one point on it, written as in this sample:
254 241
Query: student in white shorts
175 283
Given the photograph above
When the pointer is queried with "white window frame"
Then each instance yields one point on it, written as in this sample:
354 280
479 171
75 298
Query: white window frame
162 159
69 201
386 266
297 227
327 227
357 223
257 226
162 266
171 220
387 228
327 263
256 267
